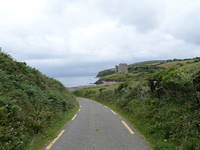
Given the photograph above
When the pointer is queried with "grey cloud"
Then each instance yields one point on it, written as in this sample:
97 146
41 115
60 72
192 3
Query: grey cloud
188 27
78 68
143 14
183 21
80 37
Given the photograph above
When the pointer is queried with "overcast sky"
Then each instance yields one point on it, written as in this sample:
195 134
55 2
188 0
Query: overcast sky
81 37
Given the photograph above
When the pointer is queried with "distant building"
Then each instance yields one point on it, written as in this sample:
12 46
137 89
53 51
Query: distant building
121 68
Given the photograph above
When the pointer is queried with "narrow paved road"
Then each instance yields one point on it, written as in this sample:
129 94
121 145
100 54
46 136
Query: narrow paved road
96 127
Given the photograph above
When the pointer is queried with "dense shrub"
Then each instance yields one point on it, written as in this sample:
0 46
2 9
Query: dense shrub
144 68
173 82
106 72
29 103
119 77
165 106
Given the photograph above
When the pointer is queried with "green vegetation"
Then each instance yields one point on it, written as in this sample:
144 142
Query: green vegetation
30 104
106 72
52 131
164 105
143 68
117 77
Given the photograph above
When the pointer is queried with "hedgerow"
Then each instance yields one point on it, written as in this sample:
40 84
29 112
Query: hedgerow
165 107
29 103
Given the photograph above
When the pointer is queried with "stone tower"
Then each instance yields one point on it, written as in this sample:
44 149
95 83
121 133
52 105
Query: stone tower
121 68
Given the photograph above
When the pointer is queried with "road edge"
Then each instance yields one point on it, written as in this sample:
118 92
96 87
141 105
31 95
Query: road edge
125 118
42 141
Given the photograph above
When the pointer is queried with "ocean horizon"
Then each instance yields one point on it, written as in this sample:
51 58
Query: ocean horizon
74 81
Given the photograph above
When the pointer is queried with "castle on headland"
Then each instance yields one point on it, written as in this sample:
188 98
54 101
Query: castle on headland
121 68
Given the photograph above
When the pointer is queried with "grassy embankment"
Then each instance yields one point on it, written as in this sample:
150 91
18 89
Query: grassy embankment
33 107
162 102
41 140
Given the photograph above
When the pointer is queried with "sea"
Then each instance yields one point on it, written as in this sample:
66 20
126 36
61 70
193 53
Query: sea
74 81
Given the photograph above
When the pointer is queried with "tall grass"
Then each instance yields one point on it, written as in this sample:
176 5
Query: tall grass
29 103
164 107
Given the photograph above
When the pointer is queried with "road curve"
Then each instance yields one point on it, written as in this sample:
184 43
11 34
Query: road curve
96 127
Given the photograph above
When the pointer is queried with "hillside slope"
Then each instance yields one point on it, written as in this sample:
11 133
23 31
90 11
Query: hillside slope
164 105
142 70
29 103
149 66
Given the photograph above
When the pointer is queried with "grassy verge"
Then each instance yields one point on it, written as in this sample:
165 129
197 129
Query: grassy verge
163 105
133 122
30 103
51 132
141 125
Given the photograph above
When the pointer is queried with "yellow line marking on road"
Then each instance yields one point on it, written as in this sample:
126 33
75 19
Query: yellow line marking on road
74 117
105 106
54 141
113 112
129 129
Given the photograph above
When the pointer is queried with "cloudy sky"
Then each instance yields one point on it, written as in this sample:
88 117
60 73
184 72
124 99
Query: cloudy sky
81 37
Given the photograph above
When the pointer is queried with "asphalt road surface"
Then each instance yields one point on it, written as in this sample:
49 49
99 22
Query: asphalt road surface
96 127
